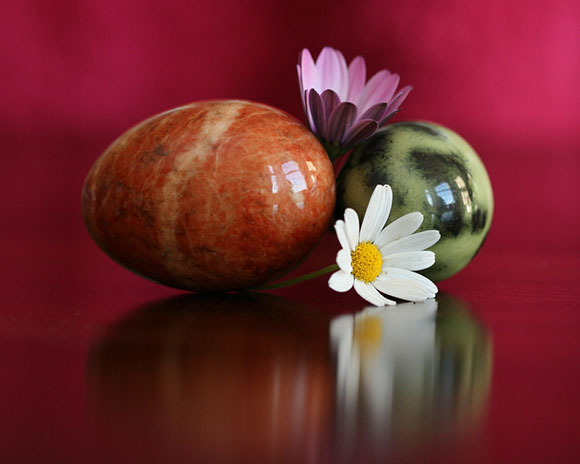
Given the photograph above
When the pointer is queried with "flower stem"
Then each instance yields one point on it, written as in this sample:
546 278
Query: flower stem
298 280
333 151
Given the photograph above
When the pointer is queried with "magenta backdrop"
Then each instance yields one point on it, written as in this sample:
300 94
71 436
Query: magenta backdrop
76 74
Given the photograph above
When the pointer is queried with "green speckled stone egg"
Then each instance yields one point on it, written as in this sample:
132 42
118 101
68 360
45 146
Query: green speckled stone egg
431 169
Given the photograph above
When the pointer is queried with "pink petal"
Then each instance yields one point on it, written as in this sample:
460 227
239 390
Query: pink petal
308 71
316 111
330 100
307 110
357 76
362 130
378 89
393 107
301 86
375 112
399 98
386 117
342 86
343 69
340 120
390 87
332 71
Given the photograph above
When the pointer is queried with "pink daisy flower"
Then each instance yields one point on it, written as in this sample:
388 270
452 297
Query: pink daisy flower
342 108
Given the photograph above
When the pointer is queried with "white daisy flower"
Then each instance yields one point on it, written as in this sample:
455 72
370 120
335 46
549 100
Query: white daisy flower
382 259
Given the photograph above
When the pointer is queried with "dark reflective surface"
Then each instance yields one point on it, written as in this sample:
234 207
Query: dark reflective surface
216 379
258 378
408 375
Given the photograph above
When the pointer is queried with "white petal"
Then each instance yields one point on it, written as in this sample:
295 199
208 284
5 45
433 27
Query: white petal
371 294
401 227
344 260
372 212
416 242
386 211
339 227
404 289
411 260
341 281
377 213
398 273
352 227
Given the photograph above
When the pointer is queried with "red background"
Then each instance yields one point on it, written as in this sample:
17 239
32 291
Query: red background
76 74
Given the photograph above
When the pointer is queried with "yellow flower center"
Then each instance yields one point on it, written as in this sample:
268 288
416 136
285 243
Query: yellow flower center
366 262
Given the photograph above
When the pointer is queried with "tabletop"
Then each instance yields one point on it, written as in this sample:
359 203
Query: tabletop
102 366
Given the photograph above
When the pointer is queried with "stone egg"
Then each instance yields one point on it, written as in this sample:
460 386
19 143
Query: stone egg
211 196
433 170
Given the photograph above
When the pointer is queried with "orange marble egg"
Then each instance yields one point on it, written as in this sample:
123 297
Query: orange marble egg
212 196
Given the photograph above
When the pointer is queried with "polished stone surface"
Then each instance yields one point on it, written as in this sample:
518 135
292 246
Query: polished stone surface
431 170
216 195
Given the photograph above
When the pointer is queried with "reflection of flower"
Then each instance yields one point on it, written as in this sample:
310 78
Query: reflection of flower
341 109
406 375
378 348
383 259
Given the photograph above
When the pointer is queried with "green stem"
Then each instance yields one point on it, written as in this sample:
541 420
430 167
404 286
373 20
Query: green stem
333 151
298 280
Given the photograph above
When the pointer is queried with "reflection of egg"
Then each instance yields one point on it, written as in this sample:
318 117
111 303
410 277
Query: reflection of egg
226 378
216 195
